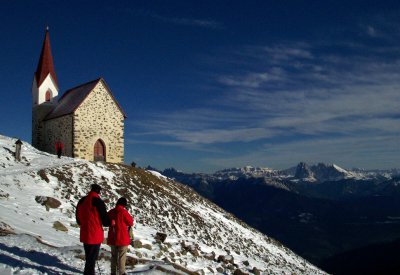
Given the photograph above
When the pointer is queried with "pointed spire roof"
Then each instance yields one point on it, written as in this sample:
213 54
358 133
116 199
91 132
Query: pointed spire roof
45 65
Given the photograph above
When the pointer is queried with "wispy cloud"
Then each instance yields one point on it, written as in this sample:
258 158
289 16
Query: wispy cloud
371 31
285 52
348 152
191 22
382 26
187 21
285 100
253 80
299 102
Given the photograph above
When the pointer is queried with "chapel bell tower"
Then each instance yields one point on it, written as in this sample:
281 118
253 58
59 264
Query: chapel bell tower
44 92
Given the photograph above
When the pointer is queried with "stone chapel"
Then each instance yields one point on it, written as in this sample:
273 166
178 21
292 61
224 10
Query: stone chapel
87 119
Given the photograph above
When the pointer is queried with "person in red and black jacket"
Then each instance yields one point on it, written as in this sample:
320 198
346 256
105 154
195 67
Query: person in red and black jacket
59 148
91 215
118 235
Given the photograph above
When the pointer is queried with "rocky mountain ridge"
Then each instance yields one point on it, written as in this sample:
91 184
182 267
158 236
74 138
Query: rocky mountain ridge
303 172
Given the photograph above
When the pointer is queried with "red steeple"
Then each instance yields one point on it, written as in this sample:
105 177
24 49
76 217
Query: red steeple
45 65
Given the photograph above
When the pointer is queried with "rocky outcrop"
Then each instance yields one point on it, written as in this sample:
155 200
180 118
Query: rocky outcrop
59 226
303 171
48 202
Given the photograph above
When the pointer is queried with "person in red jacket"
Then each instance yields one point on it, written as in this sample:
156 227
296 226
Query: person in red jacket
91 215
59 148
118 235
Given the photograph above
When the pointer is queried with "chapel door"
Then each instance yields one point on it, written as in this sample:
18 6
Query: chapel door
99 151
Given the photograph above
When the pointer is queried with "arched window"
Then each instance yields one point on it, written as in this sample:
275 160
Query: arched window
48 96
99 151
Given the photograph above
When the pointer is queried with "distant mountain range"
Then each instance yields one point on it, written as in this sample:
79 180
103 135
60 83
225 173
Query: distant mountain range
319 211
319 180
319 173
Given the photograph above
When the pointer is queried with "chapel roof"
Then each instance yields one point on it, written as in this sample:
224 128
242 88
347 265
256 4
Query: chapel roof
73 98
45 65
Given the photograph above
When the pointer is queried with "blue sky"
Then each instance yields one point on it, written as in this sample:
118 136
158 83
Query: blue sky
208 85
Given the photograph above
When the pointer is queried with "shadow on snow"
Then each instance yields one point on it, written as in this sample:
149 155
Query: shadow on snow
45 262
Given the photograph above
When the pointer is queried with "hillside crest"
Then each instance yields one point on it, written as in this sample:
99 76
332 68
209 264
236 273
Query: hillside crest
201 237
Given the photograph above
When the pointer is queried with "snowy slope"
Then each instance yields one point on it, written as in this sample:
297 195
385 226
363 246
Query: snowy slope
201 237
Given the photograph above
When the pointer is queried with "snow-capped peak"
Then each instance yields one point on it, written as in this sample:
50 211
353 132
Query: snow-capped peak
246 172
322 172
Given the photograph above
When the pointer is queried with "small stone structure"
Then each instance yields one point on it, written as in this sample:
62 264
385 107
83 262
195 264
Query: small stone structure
18 145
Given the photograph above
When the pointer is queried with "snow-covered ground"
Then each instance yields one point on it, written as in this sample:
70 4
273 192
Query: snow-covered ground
201 237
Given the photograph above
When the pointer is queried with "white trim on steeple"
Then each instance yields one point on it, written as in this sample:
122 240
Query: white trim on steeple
39 93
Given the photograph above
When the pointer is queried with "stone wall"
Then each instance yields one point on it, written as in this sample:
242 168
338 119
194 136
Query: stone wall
59 129
99 117
38 125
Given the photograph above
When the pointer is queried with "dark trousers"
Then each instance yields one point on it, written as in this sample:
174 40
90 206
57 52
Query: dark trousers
91 253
